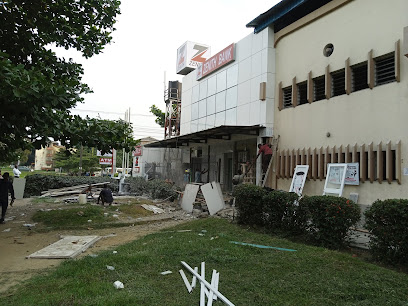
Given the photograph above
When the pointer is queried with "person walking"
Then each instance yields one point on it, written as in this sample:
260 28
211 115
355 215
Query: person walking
16 172
5 187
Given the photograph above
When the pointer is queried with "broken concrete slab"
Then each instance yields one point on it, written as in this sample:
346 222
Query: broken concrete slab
213 197
67 247
189 196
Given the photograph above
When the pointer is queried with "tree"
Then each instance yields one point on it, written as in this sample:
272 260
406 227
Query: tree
160 116
69 160
38 89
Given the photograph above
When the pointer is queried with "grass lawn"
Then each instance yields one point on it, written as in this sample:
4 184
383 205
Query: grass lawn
248 275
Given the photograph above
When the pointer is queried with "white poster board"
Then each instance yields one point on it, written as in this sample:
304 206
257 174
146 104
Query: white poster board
299 179
352 174
336 174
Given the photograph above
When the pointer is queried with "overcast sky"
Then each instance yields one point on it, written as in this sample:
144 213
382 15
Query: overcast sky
130 71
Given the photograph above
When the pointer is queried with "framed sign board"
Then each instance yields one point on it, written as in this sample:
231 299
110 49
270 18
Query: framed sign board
352 174
336 174
299 179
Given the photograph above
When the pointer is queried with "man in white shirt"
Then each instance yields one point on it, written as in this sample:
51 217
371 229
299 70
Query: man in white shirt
16 172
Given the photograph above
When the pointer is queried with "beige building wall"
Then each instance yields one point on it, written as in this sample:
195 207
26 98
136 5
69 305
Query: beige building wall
377 115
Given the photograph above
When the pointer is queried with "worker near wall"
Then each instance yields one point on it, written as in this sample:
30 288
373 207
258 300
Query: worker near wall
105 196
266 152
5 187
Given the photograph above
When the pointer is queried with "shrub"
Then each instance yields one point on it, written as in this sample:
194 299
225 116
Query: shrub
39 182
249 203
283 212
329 219
387 221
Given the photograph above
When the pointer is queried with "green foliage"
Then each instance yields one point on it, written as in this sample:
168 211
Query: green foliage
249 203
38 182
160 116
69 160
283 212
324 219
38 89
387 222
330 219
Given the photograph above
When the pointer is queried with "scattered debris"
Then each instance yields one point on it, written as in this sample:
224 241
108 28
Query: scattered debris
114 252
111 268
166 272
153 208
262 246
115 216
118 285
29 225
7 230
93 255
209 291
89 221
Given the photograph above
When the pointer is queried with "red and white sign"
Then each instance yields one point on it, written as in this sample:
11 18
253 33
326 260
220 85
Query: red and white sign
217 61
190 55
136 169
138 151
105 161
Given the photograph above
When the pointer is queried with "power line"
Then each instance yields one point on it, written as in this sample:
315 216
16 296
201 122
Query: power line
109 113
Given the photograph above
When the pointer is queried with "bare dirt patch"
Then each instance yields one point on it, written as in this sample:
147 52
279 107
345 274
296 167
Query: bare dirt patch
18 241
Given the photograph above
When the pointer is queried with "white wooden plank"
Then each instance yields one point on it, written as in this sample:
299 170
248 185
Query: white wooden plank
189 196
213 198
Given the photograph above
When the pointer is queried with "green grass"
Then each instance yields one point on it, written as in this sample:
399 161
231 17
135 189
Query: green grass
248 275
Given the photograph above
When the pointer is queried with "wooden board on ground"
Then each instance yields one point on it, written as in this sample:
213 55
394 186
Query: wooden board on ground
189 196
213 198
67 247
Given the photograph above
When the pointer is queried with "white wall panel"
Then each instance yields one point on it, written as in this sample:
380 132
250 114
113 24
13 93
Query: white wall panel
211 105
243 48
243 114
212 85
220 102
194 126
244 70
221 81
254 113
194 111
232 76
203 90
201 124
244 92
231 97
256 43
202 108
220 119
256 64
196 92
210 123
255 88
231 116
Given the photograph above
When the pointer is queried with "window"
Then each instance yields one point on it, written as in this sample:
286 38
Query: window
302 93
318 88
338 82
385 69
287 97
359 80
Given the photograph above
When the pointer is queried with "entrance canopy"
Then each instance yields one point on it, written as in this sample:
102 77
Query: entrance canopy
223 132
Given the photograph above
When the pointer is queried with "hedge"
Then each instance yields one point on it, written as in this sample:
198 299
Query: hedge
387 222
325 220
156 189
330 219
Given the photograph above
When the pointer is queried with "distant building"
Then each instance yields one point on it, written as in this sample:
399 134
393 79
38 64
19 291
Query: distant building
44 157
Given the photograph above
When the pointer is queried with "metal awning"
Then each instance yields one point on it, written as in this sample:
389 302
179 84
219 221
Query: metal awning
223 132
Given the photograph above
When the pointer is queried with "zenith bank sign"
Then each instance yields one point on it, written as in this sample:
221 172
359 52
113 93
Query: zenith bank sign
217 61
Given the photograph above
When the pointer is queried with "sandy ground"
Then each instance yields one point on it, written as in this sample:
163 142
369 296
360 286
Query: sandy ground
18 241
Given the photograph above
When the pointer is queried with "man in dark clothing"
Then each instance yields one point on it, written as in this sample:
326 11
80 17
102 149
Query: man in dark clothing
5 187
105 196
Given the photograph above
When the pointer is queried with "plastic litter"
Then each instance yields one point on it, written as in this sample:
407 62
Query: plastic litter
166 272
110 268
29 225
115 252
89 221
115 216
118 285
7 230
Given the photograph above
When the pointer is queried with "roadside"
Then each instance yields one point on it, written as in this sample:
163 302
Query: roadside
18 241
